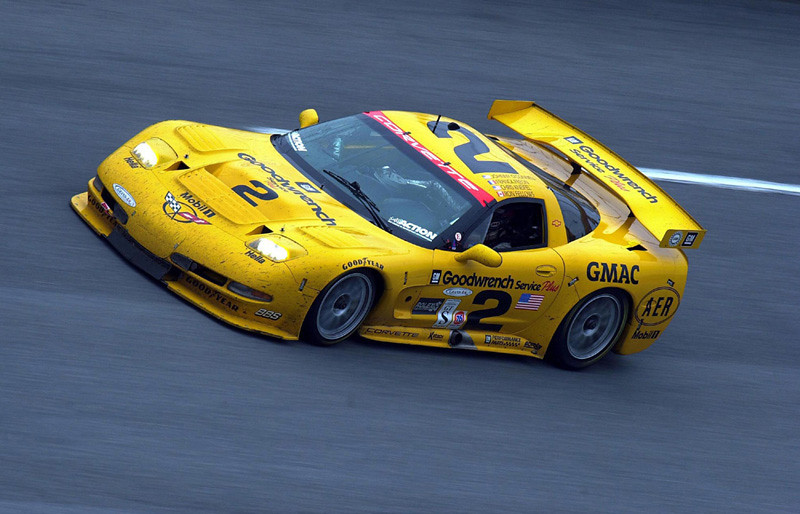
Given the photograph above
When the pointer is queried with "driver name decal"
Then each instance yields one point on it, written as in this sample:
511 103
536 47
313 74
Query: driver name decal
481 195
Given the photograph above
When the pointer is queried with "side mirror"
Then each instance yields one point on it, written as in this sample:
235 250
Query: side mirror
481 254
308 117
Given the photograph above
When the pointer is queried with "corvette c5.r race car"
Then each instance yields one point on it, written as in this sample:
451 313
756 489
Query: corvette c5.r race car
403 227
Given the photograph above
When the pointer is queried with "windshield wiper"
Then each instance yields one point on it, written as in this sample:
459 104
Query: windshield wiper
355 188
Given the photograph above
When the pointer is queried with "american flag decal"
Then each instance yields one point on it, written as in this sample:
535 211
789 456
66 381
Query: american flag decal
529 302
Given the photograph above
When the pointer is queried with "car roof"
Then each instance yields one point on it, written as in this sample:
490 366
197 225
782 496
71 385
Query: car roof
478 159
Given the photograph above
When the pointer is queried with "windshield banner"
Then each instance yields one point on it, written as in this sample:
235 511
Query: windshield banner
481 195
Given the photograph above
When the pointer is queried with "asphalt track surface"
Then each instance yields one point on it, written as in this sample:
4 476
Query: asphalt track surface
116 396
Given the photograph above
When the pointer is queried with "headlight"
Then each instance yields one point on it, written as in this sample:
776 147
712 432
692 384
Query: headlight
153 152
277 248
270 249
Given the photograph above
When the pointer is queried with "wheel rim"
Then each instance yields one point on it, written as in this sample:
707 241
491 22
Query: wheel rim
594 326
344 306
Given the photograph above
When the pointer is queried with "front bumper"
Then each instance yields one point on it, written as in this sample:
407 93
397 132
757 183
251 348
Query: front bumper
206 289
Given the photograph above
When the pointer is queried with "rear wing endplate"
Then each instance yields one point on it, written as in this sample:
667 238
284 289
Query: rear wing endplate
653 207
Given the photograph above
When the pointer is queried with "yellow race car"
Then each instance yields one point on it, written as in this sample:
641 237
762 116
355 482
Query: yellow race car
403 227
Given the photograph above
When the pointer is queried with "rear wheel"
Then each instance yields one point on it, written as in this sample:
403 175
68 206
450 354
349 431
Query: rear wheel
340 309
590 330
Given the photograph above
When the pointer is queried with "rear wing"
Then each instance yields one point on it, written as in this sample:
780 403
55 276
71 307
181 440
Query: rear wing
653 207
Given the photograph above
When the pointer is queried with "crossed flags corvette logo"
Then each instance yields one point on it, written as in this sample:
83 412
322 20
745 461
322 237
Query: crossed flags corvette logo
181 212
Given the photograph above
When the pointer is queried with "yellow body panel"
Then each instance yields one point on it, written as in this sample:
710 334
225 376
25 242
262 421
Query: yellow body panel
203 208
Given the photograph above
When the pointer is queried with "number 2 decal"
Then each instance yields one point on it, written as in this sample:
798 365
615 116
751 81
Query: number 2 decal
503 300
246 192
471 149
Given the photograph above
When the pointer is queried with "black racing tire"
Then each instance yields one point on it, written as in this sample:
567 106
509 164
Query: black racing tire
589 330
340 308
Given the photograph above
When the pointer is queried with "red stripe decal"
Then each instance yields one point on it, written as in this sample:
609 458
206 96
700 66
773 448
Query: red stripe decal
481 195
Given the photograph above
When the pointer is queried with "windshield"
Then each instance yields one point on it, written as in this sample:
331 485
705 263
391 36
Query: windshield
417 203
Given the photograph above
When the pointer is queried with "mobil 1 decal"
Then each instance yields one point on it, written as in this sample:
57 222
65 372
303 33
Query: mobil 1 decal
657 306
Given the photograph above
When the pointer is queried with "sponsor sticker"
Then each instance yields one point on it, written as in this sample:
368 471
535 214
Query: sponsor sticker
180 211
427 306
285 185
436 275
264 313
572 139
614 273
657 306
415 229
307 187
132 162
475 280
297 142
459 318
364 261
690 237
389 332
502 341
444 316
124 195
676 238
457 291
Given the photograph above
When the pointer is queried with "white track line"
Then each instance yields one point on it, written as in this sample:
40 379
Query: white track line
743 184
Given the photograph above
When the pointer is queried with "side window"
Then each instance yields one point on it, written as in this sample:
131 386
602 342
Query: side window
515 226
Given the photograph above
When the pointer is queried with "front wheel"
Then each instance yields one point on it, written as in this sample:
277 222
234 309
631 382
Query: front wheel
590 330
340 309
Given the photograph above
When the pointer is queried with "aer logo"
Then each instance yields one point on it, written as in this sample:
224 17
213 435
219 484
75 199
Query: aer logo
657 306
614 273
